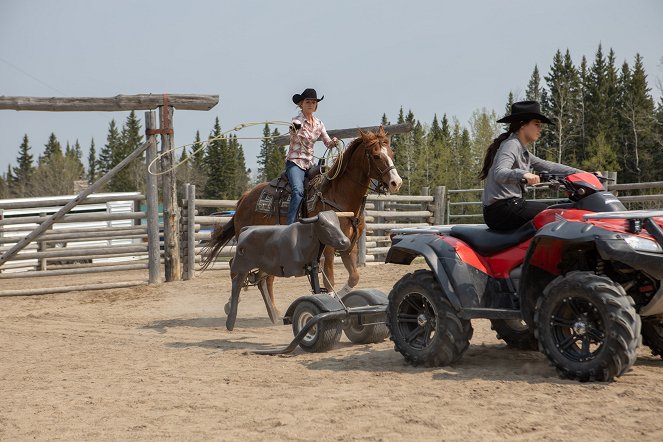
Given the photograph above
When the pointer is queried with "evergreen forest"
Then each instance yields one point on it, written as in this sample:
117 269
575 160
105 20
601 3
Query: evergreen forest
605 119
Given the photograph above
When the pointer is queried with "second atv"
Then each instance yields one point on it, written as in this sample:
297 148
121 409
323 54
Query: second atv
581 282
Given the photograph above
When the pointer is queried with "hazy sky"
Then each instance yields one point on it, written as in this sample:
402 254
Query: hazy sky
366 57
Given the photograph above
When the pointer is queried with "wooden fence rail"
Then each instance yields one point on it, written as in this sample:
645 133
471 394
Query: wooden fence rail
100 245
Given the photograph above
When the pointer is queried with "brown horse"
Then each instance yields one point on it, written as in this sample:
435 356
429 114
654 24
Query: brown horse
367 157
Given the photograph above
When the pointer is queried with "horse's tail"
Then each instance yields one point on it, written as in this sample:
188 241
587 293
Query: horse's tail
220 237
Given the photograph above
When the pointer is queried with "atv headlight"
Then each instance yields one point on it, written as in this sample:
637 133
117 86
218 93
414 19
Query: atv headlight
643 244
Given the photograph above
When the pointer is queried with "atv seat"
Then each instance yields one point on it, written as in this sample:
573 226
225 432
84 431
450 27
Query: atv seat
487 242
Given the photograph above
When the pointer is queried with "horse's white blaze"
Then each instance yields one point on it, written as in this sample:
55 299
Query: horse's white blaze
395 180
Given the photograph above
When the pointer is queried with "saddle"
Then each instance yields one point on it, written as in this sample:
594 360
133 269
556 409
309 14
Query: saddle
275 197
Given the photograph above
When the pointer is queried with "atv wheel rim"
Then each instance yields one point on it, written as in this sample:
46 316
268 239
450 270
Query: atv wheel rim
578 331
416 321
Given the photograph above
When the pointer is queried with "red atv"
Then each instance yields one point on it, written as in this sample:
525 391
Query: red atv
580 282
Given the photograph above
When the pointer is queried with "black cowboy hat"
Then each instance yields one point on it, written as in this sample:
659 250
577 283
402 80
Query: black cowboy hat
524 111
308 93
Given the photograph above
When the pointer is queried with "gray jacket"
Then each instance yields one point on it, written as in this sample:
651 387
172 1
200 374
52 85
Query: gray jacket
511 162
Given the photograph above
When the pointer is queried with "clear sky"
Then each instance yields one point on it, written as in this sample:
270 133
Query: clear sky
367 57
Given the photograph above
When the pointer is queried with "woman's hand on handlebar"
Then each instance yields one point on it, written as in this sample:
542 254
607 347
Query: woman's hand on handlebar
531 179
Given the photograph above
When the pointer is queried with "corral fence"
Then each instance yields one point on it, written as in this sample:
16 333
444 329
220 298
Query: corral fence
386 212
382 213
46 229
104 233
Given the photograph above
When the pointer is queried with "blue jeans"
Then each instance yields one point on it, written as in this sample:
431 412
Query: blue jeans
296 178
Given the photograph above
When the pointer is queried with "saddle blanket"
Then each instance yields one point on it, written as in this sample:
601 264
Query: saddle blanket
268 197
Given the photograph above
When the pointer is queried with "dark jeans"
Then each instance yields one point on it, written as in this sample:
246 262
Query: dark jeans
511 213
296 177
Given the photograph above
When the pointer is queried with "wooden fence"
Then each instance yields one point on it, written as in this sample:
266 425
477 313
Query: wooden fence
383 213
386 212
104 233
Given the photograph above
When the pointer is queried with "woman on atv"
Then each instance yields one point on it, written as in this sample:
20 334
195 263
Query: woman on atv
305 130
507 165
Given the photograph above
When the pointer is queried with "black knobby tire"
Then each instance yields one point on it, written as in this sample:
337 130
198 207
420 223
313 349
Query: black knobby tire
321 337
652 335
358 333
515 333
424 325
587 326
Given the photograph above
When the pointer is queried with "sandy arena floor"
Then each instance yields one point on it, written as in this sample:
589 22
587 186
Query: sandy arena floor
152 363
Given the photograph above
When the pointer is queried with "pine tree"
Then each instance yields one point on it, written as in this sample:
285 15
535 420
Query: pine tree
581 112
560 107
534 90
107 154
74 155
132 177
636 108
19 179
4 187
276 163
537 93
601 88
193 171
52 149
509 102
216 185
92 163
264 154
600 155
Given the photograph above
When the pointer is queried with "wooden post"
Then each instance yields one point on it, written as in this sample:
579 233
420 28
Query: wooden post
425 191
41 247
440 204
191 231
379 206
171 226
361 249
152 202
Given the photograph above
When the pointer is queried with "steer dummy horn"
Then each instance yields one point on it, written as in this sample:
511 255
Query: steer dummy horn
311 220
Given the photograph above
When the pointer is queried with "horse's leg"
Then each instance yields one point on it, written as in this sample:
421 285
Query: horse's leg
350 262
238 281
328 269
266 287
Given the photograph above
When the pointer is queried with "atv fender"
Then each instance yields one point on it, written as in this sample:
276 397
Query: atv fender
324 301
463 285
546 251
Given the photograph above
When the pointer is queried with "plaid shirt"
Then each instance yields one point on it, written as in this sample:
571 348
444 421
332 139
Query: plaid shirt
302 141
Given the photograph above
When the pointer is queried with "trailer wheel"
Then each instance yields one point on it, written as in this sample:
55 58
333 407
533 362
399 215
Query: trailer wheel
424 325
515 333
652 335
321 337
587 326
358 333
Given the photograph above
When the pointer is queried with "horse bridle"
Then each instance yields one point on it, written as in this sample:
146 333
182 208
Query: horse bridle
371 161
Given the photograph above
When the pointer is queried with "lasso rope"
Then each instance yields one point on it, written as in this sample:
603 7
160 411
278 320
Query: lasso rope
329 154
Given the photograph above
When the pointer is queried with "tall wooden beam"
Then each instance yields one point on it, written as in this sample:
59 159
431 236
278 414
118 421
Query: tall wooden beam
152 202
171 212
353 132
112 104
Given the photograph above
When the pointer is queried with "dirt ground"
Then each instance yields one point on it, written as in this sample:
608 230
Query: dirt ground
151 363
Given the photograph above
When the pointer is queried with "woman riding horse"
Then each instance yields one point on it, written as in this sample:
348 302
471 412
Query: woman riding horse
367 157
305 130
